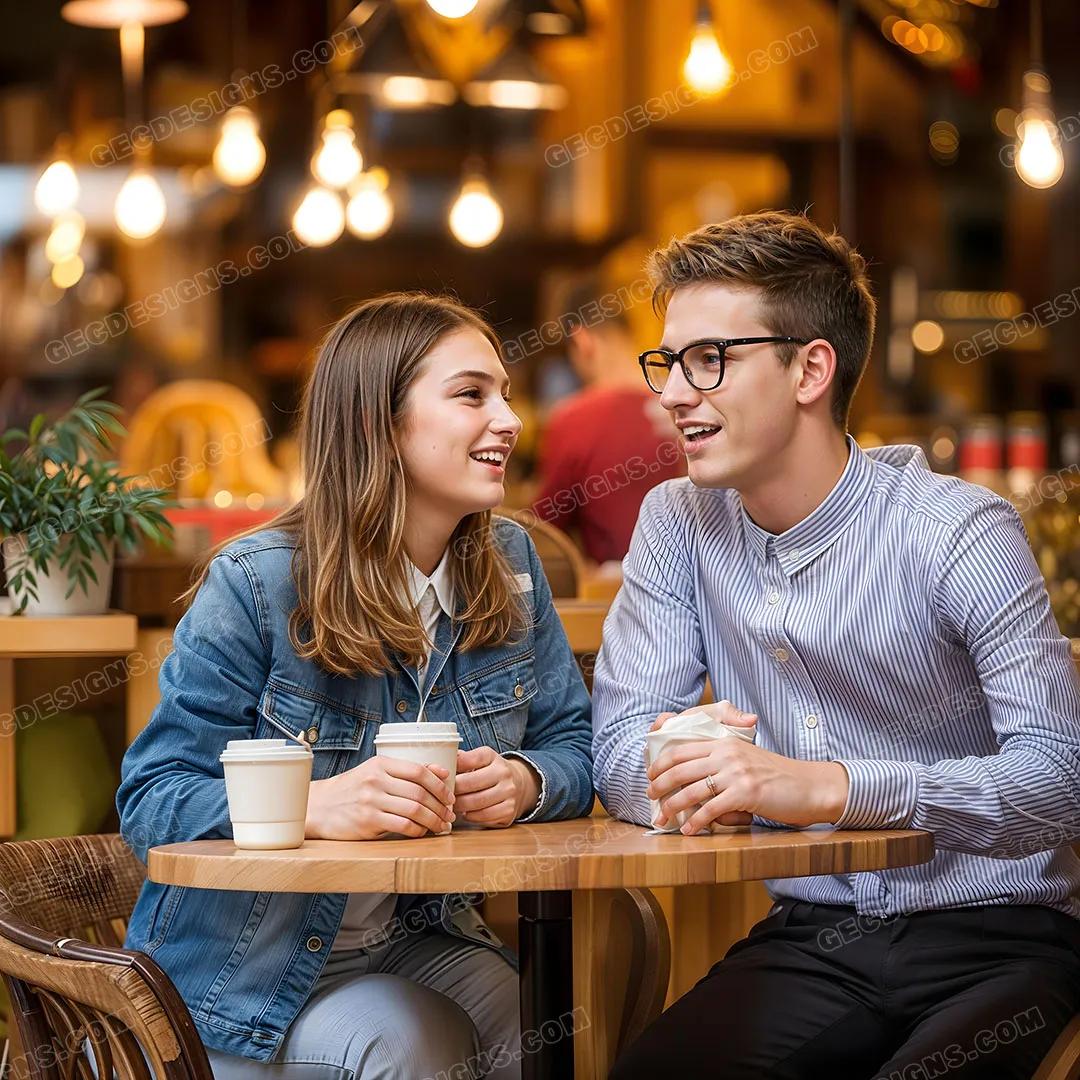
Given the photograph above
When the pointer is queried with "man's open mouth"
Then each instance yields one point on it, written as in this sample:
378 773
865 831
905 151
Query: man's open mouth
693 434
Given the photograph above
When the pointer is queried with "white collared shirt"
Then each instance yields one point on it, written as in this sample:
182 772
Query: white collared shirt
431 595
368 912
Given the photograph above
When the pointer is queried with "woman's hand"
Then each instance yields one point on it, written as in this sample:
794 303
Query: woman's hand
383 795
493 790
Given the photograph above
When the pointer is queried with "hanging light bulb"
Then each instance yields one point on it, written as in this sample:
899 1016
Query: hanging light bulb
707 68
65 237
239 156
57 188
1039 160
337 162
476 218
67 272
140 207
370 210
320 218
453 9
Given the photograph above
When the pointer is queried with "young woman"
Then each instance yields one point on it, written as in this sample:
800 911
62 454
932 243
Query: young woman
388 590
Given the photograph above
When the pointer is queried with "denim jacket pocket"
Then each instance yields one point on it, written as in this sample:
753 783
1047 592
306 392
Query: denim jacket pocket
327 725
500 698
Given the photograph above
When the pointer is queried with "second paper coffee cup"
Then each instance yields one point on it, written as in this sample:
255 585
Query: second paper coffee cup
424 742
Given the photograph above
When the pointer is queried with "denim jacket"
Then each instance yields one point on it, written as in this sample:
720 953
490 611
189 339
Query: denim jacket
246 962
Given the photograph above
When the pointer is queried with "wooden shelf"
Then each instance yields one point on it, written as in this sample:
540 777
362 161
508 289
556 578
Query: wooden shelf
24 636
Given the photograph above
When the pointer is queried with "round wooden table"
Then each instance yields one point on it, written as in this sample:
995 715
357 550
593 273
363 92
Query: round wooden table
546 865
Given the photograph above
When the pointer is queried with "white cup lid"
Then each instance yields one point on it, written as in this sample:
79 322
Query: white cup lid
264 750
417 737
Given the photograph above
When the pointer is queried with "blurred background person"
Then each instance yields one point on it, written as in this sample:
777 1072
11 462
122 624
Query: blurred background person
605 446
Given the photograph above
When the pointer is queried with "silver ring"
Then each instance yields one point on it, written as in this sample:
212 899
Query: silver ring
712 786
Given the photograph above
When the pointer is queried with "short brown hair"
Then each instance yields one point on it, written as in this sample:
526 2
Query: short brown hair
813 285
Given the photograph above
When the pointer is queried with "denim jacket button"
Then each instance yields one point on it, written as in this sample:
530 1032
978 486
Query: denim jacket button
314 944
519 691
313 735
401 706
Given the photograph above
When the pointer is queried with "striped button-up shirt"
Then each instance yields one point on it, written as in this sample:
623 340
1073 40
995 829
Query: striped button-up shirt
902 629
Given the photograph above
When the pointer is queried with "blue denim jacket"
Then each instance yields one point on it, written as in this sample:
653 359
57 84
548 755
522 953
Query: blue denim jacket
246 962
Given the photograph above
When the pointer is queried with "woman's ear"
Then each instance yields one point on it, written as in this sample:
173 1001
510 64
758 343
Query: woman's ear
817 370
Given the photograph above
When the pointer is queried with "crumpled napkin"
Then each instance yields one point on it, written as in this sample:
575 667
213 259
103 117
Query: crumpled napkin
689 727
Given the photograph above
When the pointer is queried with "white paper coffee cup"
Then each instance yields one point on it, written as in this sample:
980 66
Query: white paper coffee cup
424 742
267 782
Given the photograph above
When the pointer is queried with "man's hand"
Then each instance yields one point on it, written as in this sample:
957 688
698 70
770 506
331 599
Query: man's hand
748 780
493 790
723 711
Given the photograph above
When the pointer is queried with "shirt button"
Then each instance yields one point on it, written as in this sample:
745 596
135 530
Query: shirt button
519 691
811 721
774 598
401 706
781 655
313 735
314 944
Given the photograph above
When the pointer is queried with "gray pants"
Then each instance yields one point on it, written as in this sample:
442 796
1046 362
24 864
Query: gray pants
431 1007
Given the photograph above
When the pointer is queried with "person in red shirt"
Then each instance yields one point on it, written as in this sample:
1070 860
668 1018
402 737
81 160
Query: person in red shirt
608 444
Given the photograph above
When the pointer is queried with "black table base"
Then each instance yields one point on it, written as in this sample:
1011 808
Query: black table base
546 953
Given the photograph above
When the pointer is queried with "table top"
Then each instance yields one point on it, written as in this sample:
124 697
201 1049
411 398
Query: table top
586 853
111 634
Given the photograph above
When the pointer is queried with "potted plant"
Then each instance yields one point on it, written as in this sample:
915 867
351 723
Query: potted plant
64 511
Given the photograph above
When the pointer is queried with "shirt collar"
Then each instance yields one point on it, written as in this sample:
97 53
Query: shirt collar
439 580
805 541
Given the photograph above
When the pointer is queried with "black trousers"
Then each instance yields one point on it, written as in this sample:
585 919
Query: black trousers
816 990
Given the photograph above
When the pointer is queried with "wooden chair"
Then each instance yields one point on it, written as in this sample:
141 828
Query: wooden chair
1062 1061
200 436
76 994
563 563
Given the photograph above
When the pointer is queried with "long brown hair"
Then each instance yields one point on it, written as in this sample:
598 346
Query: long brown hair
350 564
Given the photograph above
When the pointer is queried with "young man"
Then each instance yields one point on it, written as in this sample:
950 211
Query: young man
890 631
604 447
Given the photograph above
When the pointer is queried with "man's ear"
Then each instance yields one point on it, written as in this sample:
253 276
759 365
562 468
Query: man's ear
582 352
818 370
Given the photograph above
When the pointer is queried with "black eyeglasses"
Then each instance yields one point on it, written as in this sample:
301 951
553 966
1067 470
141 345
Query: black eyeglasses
702 362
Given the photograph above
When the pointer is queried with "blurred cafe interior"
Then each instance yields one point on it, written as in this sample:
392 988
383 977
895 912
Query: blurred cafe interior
193 191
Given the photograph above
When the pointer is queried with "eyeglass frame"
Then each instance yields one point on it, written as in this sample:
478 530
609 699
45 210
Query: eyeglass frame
721 344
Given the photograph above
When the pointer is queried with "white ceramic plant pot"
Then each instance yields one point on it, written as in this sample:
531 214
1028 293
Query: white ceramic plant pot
53 583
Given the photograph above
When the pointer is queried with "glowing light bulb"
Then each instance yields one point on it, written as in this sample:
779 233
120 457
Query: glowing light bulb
476 218
239 156
706 67
65 237
320 218
67 272
370 211
337 162
140 206
57 188
453 9
1039 160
